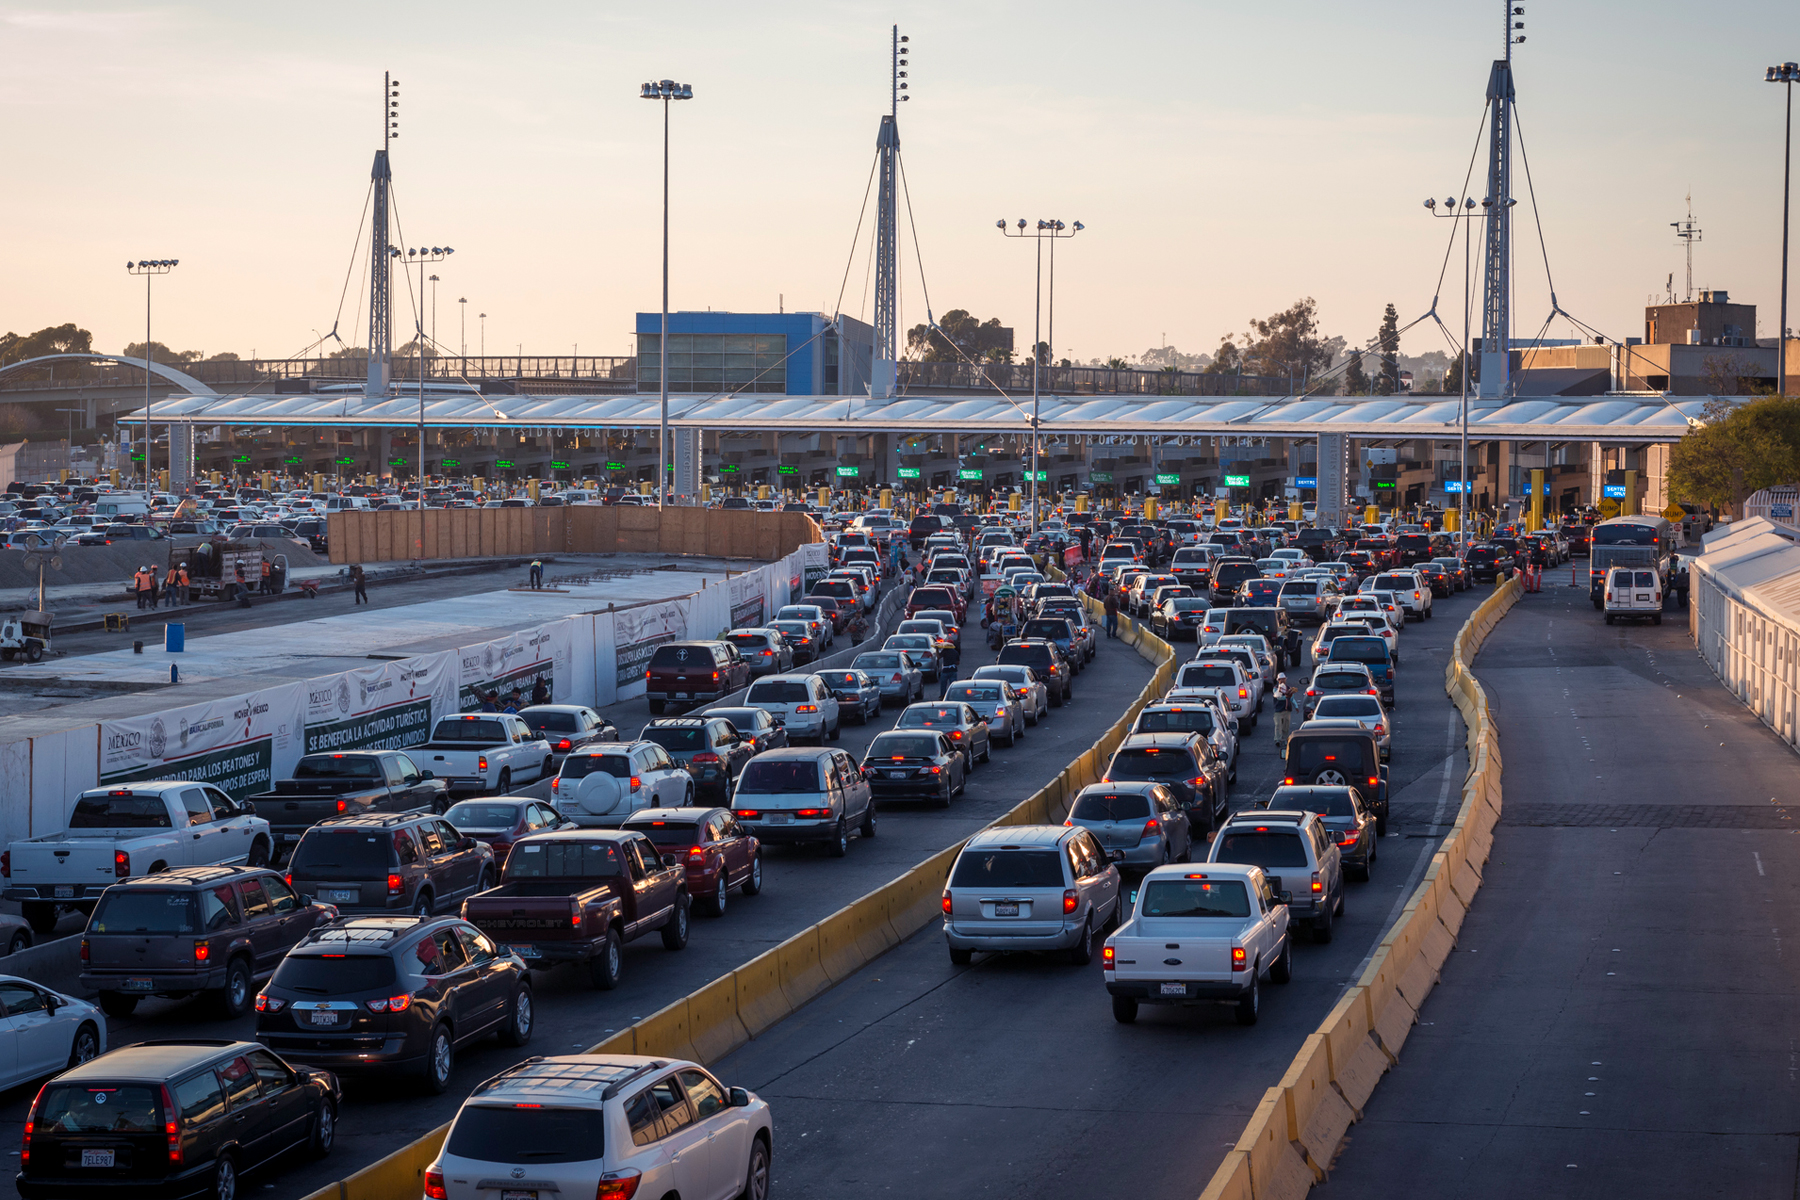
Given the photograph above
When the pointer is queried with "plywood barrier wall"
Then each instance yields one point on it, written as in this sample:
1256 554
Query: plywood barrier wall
374 537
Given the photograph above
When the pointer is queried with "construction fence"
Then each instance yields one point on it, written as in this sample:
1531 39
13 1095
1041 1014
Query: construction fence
447 533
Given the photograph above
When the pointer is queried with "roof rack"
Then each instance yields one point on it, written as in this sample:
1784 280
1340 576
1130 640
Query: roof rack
612 1089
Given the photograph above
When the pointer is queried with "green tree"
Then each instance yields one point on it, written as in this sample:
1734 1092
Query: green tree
1737 449
1227 359
1116 364
162 353
1453 383
54 339
1287 343
960 335
1356 380
1387 381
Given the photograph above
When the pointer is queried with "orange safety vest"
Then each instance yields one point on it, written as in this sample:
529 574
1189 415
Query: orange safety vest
142 580
265 568
184 577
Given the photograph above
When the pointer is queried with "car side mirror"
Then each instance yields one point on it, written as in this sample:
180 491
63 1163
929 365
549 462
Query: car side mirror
1284 897
427 775
739 1098
467 843
246 808
1117 856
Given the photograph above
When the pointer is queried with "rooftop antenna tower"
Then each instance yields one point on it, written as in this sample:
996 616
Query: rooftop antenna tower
882 368
1496 297
1687 233
380 298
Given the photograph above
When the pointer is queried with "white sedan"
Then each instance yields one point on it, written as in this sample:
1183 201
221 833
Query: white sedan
44 1032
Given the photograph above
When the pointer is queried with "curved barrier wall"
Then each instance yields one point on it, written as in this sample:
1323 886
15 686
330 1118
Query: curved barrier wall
708 1024
1296 1129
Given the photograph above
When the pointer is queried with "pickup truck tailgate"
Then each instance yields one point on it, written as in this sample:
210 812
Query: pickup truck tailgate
1178 955
67 864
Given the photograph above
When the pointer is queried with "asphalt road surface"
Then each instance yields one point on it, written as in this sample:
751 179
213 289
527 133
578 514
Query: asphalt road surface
1616 1019
1010 1078
802 885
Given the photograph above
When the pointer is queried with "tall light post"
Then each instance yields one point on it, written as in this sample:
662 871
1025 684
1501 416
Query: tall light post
434 283
664 90
149 269
421 257
1788 74
1464 212
462 304
483 317
1052 230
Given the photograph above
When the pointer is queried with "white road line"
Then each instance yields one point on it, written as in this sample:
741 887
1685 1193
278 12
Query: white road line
1418 870
1759 866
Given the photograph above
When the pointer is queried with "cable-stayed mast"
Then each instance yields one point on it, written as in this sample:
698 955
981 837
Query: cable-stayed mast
882 368
380 311
1496 295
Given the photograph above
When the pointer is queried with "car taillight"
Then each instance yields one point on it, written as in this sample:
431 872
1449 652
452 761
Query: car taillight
697 854
1318 885
1348 837
1243 693
1379 728
564 744
6 864
1151 826
812 813
1107 955
396 885
171 1127
121 864
575 913
618 1185
637 781
706 756
806 708
1069 900
749 814
434 1185
268 1003
202 952
393 1004
945 903
343 805
481 762
1239 958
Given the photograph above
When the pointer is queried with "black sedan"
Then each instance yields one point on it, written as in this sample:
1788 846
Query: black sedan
755 726
914 764
858 695
1180 618
1439 579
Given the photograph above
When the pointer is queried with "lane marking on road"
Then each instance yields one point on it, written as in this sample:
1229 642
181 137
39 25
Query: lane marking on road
1424 859
1756 856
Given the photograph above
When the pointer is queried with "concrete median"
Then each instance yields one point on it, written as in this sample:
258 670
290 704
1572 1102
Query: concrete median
760 1000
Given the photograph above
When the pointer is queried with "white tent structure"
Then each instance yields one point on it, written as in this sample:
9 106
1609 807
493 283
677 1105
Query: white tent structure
1745 609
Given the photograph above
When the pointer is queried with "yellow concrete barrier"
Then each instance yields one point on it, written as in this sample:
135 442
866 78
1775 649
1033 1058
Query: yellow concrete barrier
1232 1180
760 1000
869 925
714 1027
839 953
1278 1168
802 977
1390 1016
622 1042
1317 1115
665 1033
1357 1063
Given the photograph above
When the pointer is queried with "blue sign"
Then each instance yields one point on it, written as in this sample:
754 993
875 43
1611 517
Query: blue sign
1306 481
1613 491
1453 485
1781 512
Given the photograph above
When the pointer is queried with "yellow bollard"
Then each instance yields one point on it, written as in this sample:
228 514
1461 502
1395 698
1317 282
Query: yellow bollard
1371 515
762 491
1150 508
1630 507
531 489
1295 512
1452 519
1081 504
644 488
1014 502
318 481
887 498
1221 509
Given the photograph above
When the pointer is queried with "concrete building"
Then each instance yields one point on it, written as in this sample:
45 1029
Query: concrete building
793 354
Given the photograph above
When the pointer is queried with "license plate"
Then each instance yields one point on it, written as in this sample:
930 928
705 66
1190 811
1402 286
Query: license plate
1643 596
779 818
524 951
896 774
65 891
1174 989
342 895
678 696
515 1194
96 1158
138 985
1006 910
323 1016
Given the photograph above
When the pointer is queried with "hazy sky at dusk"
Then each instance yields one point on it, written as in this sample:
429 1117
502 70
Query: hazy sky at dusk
1226 159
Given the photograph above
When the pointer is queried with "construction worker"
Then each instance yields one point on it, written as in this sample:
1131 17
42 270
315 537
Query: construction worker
154 591
267 584
140 583
537 573
243 587
182 583
362 591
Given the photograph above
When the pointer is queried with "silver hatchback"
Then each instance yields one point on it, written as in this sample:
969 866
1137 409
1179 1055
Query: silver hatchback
1030 887
1142 822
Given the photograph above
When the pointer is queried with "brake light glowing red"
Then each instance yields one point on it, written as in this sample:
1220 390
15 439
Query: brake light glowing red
1070 900
171 1127
945 903
1240 959
121 864
1318 885
396 885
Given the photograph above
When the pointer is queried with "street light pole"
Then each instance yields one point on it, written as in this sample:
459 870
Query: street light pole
423 257
665 90
1787 74
462 304
1466 214
149 269
1051 229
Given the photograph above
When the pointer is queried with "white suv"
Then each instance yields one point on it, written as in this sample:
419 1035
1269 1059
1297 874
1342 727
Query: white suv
605 1125
1412 592
1241 692
802 703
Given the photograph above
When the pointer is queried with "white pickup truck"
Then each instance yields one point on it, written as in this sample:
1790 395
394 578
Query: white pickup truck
129 829
1199 933
485 753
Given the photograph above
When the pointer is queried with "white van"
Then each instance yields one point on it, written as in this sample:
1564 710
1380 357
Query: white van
346 504
1633 592
120 505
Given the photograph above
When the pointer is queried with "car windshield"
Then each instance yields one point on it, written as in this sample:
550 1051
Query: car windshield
1338 681
744 720
925 716
679 657
677 738
1345 755
1176 720
1111 806
1360 649
975 695
334 974
1055 630
477 814
466 730
1207 675
1348 706
842 679
564 859
767 777
550 722
891 745
1008 869
795 631
336 766
1195 898
507 1134
1300 587
341 850
1261 847
101 1108
778 691
580 766
1327 802
120 810
1151 762
128 910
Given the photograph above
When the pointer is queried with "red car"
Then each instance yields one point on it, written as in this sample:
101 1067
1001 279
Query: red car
693 671
934 596
502 820
719 853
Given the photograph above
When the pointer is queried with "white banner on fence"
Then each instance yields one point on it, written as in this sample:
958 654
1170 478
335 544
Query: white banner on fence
386 707
815 564
637 632
518 661
749 598
241 744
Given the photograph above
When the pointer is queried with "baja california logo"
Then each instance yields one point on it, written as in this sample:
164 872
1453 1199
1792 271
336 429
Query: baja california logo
362 691
343 696
487 658
184 733
159 739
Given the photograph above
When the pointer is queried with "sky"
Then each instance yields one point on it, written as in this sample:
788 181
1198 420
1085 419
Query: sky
1225 158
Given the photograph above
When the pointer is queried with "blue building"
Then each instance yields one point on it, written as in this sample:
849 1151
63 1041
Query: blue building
794 354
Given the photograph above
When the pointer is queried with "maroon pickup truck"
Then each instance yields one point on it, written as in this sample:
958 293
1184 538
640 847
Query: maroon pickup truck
578 895
688 672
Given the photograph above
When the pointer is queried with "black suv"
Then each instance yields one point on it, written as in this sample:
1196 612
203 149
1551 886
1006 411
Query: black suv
1186 764
374 993
709 747
191 930
172 1119
1047 660
1489 561
387 862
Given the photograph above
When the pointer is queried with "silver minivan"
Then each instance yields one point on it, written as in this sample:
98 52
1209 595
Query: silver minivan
802 703
1030 887
804 794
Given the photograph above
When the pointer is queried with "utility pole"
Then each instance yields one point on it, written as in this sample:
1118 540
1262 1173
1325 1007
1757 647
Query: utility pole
1687 233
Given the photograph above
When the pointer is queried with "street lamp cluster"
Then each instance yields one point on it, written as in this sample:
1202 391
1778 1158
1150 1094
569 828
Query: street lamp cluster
1464 212
1786 74
149 268
664 90
1052 230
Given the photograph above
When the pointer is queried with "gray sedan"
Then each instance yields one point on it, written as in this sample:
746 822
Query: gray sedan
1365 710
893 672
857 693
1140 824
1004 710
1344 814
966 729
